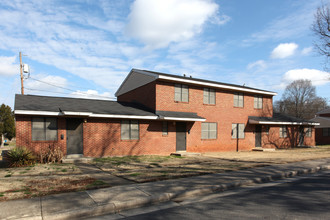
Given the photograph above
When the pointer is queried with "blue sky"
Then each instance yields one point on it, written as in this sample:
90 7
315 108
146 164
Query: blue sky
86 48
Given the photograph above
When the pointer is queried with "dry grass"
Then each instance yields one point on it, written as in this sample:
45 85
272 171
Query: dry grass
154 168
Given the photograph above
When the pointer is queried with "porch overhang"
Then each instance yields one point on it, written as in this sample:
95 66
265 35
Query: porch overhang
179 116
251 121
280 119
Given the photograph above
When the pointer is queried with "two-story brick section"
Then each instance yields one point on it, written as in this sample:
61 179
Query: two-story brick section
157 113
322 131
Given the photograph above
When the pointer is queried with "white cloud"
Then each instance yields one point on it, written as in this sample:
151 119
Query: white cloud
259 65
8 66
92 94
316 76
158 23
307 50
284 50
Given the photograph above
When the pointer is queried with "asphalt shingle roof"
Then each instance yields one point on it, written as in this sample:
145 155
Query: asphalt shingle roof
57 104
278 117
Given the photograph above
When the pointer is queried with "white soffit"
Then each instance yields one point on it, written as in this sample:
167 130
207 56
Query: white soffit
188 80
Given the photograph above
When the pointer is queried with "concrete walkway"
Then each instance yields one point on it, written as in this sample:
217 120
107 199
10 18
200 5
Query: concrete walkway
77 205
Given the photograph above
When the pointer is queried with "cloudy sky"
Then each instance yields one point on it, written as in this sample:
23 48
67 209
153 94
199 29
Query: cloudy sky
86 48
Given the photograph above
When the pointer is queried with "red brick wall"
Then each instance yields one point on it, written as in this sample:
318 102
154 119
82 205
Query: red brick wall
273 139
102 137
223 112
320 139
24 135
144 95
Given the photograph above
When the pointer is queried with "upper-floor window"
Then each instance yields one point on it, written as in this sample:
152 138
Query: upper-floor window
129 130
258 102
238 100
326 132
44 129
181 93
209 130
283 131
209 96
237 129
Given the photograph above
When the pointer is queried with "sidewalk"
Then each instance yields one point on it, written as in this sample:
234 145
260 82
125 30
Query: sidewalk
112 200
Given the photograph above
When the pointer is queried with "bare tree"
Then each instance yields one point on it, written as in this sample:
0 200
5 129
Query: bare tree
321 28
299 100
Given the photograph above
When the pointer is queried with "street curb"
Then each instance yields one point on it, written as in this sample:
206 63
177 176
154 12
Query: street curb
112 208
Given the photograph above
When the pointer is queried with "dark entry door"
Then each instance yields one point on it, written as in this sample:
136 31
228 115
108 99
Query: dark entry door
180 136
74 134
258 136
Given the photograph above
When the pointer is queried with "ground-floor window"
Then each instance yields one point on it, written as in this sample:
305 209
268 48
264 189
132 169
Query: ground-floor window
283 131
129 130
308 132
165 128
326 132
240 128
209 130
44 129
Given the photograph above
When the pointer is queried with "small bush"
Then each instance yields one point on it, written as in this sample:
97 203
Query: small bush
19 157
50 155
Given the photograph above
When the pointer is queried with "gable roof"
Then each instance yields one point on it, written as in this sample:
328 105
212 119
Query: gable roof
62 106
46 105
324 122
324 111
280 119
137 78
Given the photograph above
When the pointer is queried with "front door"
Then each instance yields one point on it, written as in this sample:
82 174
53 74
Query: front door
74 134
180 136
258 136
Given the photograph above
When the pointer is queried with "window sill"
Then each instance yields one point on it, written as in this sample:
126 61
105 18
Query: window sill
209 104
181 102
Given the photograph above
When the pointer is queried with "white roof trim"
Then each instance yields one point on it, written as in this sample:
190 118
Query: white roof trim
77 113
183 119
215 85
124 116
86 114
281 123
27 112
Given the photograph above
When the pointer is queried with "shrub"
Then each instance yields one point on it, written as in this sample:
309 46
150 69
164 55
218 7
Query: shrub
51 154
19 157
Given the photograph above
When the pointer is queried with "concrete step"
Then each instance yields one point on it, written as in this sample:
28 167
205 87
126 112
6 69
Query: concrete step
263 149
184 153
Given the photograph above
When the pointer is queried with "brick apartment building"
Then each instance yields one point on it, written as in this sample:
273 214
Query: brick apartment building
322 131
157 113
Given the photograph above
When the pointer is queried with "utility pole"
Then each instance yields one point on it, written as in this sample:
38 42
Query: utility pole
21 70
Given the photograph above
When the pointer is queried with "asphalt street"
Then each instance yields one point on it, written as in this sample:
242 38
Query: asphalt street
306 197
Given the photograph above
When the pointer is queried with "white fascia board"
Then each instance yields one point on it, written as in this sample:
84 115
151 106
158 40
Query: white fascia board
77 113
215 85
27 112
183 119
123 116
287 123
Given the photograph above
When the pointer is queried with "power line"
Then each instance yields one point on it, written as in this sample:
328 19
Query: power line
72 90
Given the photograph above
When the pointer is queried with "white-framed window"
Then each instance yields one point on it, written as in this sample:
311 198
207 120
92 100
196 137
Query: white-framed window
326 132
240 128
181 93
308 131
129 130
283 131
165 128
44 129
209 130
209 96
258 102
238 99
